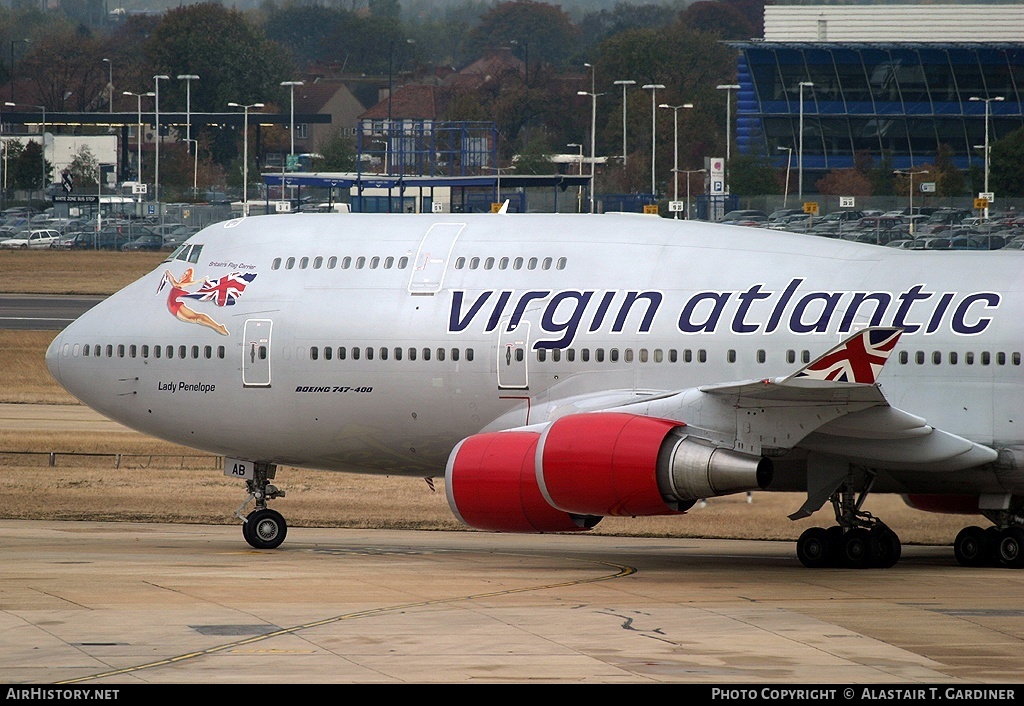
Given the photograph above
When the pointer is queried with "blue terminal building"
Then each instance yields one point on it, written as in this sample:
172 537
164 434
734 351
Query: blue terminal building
894 100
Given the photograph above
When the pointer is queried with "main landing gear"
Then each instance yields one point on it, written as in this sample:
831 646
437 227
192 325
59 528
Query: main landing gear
1001 545
859 541
262 528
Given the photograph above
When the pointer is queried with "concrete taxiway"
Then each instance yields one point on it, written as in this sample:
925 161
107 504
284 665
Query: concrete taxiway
105 603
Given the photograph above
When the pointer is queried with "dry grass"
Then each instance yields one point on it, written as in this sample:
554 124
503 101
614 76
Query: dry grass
72 271
23 374
161 482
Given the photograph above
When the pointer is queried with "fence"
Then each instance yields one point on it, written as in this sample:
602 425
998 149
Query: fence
123 461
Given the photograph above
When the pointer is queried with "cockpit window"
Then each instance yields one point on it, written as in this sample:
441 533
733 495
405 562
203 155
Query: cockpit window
187 252
174 255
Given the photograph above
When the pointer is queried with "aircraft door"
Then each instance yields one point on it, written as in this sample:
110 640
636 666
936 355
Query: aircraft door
432 258
256 353
513 356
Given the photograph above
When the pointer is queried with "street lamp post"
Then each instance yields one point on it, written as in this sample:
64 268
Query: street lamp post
245 154
593 130
728 88
291 86
675 154
188 79
800 148
138 137
987 101
110 85
789 161
911 173
42 140
195 167
653 88
156 163
579 190
624 84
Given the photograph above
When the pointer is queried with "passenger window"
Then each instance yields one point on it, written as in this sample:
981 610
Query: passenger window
919 357
276 265
658 355
673 355
489 263
469 355
629 355
585 355
220 352
546 265
790 356
1015 358
517 264
460 263
904 358
314 353
503 263
761 356
687 356
398 353
613 355
402 262
986 358
332 262
369 353
440 353
556 355
289 263
346 262
157 351
936 358
318 262
1000 358
455 354
145 351
383 353
303 263
730 355
389 262
132 350
643 355
532 264
702 356
342 352
969 358
561 263
412 354
426 354
570 355
374 262
360 262
328 352
355 352
195 352
805 356
474 263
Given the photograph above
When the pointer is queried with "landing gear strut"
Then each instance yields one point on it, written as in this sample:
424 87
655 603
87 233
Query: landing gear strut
262 528
859 541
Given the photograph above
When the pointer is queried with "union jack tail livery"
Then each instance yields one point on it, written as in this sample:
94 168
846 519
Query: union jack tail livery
223 291
858 359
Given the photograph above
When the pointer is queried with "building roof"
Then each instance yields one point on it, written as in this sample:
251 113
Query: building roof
894 23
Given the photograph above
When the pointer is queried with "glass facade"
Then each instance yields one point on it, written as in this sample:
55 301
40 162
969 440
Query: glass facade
900 100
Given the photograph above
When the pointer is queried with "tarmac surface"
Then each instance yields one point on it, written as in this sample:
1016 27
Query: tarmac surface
93 604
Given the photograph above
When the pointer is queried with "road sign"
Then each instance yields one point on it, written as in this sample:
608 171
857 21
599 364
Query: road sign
846 201
138 188
927 187
987 195
651 209
811 207
436 207
981 204
676 206
283 207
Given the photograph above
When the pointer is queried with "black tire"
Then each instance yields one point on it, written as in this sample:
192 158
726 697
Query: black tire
856 549
1011 547
266 529
886 547
813 549
971 547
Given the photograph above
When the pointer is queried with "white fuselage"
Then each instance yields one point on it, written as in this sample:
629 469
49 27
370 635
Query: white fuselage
371 343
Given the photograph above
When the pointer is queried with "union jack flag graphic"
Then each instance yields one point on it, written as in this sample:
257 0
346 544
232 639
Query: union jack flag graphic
858 359
223 291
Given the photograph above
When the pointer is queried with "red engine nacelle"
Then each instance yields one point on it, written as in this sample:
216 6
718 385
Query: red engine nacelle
491 483
946 504
587 466
624 464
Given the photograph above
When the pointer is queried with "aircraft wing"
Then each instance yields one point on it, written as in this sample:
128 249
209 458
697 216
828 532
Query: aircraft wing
833 405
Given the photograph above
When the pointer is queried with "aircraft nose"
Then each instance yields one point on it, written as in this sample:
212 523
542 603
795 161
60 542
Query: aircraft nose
53 356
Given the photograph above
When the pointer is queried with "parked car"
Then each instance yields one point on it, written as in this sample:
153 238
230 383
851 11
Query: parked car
106 239
745 216
144 242
34 239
